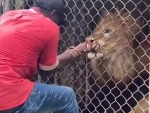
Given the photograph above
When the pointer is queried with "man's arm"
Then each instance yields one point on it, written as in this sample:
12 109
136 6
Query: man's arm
70 54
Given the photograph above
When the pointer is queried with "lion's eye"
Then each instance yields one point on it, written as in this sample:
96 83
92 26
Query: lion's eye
107 34
107 31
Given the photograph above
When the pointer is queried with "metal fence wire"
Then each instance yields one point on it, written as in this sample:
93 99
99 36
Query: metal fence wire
114 78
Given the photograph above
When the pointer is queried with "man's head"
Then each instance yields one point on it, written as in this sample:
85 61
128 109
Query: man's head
53 9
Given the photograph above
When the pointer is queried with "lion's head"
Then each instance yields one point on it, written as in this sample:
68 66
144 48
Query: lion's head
114 59
114 32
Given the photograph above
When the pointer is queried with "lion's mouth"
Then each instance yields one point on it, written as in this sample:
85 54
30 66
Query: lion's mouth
92 55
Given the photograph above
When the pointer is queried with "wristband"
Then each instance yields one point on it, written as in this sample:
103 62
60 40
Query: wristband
72 49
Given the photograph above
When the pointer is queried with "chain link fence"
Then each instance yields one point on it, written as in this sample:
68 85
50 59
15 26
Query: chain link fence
114 78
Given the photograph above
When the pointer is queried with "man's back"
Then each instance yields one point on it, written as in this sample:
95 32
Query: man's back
23 36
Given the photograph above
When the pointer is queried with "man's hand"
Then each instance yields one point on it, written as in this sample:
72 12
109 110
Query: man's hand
83 48
73 52
77 51
87 46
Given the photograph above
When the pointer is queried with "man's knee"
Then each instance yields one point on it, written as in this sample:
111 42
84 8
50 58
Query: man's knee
69 91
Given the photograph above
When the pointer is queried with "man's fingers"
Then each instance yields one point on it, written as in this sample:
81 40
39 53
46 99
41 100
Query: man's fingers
97 46
88 47
72 47
89 41
94 45
75 52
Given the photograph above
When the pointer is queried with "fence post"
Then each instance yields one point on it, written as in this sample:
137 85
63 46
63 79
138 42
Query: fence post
149 92
148 38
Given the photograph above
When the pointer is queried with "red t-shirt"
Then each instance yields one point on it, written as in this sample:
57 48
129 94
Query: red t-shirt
27 39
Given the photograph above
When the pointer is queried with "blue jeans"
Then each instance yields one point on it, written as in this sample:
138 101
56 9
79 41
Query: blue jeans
48 98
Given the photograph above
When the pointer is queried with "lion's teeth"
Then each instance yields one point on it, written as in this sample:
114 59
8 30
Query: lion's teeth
91 55
99 55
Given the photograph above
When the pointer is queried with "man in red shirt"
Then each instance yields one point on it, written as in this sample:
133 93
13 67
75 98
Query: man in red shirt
29 40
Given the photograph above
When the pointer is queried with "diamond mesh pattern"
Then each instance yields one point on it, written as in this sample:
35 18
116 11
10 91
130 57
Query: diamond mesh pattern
103 93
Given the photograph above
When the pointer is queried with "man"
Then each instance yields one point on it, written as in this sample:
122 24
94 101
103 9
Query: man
29 38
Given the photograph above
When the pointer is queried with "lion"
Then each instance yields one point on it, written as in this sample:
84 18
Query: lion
120 56
141 107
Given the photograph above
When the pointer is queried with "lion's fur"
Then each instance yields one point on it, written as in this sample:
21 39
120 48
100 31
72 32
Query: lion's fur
119 61
141 107
124 57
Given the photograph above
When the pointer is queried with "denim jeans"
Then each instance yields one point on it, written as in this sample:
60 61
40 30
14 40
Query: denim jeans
48 98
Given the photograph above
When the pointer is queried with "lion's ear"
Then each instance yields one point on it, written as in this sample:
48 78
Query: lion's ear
104 13
125 14
114 10
122 12
139 21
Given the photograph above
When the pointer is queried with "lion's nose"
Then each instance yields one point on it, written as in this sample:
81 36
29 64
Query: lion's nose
90 39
